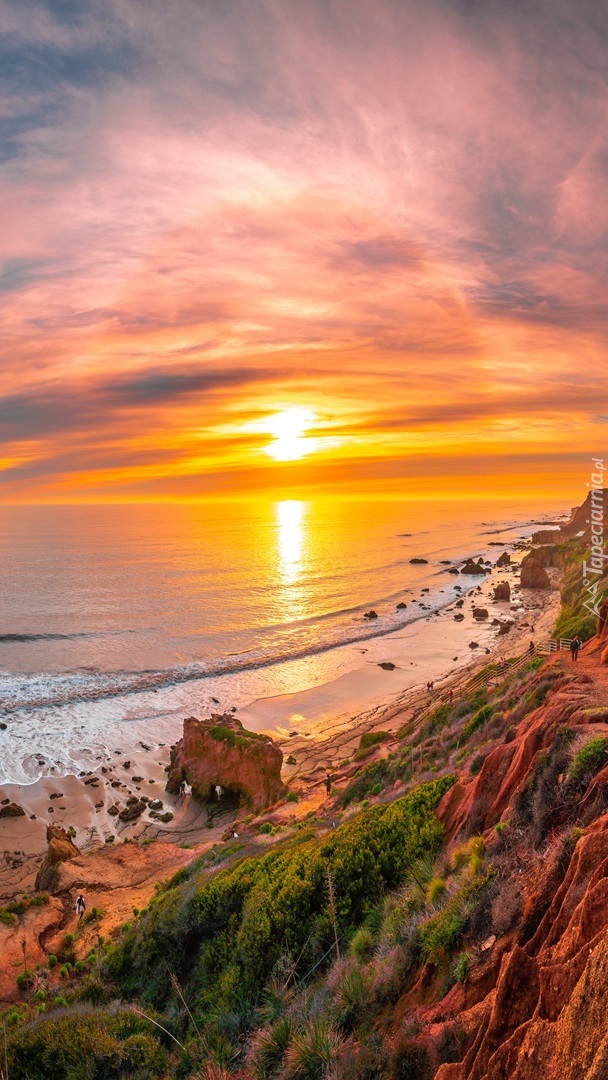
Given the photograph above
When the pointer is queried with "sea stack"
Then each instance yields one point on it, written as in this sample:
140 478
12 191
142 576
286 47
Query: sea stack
220 753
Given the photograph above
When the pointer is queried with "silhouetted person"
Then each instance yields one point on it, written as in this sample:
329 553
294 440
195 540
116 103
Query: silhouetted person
575 645
328 784
80 906
531 648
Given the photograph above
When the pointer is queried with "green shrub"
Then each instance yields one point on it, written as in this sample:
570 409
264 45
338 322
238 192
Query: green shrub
292 797
461 967
534 664
377 788
478 718
362 943
266 828
587 762
24 979
439 934
372 738
436 889
91 1043
68 940
79 966
7 918
52 960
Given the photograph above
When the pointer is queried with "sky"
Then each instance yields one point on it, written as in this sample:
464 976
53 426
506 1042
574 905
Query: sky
250 246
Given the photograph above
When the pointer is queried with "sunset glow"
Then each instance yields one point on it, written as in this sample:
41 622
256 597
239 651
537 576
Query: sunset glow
389 220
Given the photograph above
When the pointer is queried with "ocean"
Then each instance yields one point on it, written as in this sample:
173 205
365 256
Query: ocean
117 621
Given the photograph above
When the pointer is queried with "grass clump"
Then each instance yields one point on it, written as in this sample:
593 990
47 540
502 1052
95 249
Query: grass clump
372 738
478 718
587 761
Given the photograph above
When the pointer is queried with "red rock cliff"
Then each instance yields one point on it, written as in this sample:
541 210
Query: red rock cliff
220 751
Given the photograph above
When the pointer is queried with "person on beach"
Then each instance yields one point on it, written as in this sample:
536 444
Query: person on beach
80 906
328 784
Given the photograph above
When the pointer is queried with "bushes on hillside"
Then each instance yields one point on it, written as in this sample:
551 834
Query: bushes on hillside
229 934
84 1042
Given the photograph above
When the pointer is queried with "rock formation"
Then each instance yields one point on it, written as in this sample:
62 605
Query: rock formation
61 848
502 591
472 567
504 559
11 809
533 574
220 752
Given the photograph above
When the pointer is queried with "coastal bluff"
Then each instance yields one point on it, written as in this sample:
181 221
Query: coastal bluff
220 752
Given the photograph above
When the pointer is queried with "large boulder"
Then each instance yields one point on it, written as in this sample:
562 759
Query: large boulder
533 575
221 753
504 559
12 809
61 848
502 591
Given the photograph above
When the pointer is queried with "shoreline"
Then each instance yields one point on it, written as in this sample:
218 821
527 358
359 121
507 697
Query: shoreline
329 720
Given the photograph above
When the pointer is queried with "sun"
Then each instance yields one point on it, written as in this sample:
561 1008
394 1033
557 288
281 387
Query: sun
289 428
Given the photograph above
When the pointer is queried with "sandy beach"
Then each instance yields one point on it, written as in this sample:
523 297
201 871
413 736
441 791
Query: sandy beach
319 728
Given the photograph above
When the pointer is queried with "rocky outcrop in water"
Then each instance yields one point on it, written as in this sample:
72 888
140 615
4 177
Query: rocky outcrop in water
221 753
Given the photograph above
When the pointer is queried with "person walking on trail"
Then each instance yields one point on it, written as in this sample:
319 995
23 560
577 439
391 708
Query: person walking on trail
531 648
80 906
503 664
328 784
575 645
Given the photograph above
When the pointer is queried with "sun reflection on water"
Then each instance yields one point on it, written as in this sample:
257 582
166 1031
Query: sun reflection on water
290 520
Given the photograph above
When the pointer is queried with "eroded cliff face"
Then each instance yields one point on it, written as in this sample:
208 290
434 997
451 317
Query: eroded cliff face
534 1007
220 752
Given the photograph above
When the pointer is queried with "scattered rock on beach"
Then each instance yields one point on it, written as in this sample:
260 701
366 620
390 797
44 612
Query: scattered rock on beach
459 617
471 567
533 574
480 613
12 810
386 665
401 605
371 614
418 562
473 644
502 591
132 811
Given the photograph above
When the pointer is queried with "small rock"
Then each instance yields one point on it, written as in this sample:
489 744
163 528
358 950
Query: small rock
371 614
386 665
12 809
